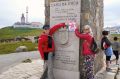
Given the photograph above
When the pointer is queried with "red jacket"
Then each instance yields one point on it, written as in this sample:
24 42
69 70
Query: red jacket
86 43
43 40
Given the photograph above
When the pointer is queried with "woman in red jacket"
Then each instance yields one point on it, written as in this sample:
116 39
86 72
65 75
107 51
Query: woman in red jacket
87 36
46 47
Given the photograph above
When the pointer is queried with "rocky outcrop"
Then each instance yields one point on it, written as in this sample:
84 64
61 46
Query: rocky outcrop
21 49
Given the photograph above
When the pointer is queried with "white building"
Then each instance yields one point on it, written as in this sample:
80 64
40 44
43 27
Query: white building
25 24
113 30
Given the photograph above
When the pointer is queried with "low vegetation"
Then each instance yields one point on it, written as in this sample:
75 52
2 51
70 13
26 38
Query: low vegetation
6 48
10 32
115 35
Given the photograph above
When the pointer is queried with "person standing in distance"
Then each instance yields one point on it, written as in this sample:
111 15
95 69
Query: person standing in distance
115 46
106 45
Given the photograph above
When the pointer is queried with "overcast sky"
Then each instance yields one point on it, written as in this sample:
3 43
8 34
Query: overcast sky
111 12
11 10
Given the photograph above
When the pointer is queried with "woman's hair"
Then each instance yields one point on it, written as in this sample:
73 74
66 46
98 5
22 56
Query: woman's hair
46 27
88 28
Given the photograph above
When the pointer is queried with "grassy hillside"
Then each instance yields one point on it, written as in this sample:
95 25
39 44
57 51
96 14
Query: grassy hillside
10 32
115 35
6 48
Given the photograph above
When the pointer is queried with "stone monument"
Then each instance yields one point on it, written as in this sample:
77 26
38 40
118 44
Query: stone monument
68 59
66 62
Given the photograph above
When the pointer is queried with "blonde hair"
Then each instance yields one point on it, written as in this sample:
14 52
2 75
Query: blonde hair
88 28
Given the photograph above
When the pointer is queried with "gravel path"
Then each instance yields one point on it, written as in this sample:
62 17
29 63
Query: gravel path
9 60
31 70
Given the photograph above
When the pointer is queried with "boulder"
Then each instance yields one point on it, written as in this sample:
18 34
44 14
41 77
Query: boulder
21 49
27 61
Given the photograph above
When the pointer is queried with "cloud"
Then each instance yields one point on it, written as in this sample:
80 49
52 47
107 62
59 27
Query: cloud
11 10
110 2
111 12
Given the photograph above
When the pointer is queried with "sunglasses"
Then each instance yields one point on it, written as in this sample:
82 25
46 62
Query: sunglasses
85 29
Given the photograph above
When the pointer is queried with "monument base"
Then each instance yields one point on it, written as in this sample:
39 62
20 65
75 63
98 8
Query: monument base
65 74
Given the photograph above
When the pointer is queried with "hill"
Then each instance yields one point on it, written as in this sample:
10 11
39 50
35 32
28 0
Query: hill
7 48
10 32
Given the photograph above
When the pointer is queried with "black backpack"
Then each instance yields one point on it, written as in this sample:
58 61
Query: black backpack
49 41
107 42
94 47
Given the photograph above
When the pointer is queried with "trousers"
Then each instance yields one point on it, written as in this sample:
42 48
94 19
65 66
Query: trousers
48 67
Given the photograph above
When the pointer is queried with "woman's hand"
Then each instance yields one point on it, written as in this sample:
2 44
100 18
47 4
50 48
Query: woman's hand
77 26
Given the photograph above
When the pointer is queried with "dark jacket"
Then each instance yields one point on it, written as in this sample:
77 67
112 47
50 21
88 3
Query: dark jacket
107 43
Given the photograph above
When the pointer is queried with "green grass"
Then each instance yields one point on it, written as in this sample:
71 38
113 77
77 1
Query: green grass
115 35
6 48
10 32
118 35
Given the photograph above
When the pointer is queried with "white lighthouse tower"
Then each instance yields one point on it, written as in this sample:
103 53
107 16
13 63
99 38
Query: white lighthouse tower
25 23
27 14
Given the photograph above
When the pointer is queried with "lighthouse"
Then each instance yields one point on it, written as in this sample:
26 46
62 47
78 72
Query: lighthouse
23 19
25 23
27 14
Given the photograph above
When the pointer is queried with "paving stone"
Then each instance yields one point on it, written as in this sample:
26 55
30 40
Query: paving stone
115 72
118 76
24 71
34 77
114 69
100 74
109 75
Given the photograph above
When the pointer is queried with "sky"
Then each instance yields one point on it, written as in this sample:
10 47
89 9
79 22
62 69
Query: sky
111 13
11 10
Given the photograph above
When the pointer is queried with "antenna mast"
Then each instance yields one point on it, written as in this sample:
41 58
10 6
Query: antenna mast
27 14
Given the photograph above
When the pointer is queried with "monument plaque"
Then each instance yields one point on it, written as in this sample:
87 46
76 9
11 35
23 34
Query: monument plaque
66 61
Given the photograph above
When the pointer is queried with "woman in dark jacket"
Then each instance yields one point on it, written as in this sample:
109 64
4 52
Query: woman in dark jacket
106 46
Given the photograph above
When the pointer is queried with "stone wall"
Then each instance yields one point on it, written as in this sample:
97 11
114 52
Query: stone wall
92 14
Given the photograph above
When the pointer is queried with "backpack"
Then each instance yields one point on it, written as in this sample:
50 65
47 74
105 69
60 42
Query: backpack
49 41
94 47
105 43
